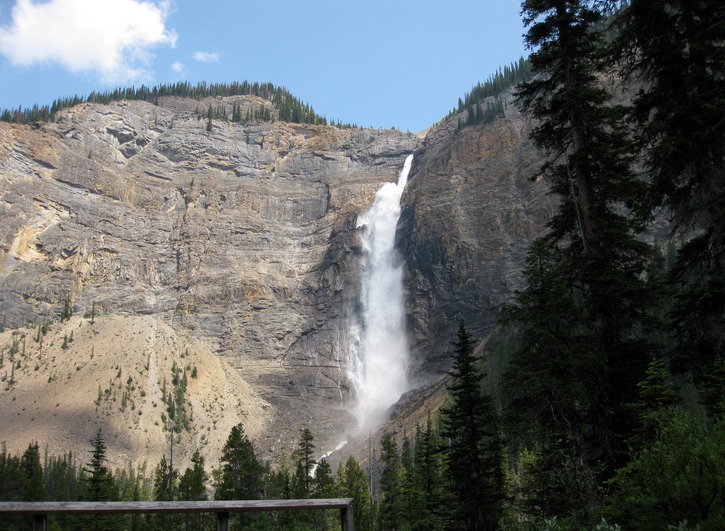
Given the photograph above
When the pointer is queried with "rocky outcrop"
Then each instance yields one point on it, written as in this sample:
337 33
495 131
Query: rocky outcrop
469 214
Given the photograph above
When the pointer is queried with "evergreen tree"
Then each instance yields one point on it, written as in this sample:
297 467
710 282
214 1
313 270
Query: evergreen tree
241 474
302 479
30 462
192 484
164 489
414 511
674 50
675 482
429 477
323 486
353 483
550 384
324 482
99 485
164 481
656 393
593 234
279 482
13 487
473 456
61 477
67 311
304 453
389 516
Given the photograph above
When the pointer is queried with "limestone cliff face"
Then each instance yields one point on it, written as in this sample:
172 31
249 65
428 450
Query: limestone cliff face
243 236
243 239
469 214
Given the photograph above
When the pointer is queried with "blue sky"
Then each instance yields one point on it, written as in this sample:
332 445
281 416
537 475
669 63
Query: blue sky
377 63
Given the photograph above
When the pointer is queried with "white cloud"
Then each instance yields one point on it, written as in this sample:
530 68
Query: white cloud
178 67
110 37
206 57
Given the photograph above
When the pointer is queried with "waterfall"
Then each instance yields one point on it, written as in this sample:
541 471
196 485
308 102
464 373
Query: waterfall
380 357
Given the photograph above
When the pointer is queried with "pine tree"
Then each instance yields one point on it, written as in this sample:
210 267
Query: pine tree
302 480
413 507
99 480
323 482
677 481
473 456
99 484
656 394
389 515
30 462
164 481
594 234
550 383
13 487
674 49
323 486
429 476
304 454
192 486
241 474
353 483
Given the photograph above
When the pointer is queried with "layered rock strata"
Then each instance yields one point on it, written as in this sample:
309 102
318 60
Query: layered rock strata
243 236
243 240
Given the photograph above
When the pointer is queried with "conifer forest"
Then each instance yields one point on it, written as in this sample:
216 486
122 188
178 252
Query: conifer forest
609 411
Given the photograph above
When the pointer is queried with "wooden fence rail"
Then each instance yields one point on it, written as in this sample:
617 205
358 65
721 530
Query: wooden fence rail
222 508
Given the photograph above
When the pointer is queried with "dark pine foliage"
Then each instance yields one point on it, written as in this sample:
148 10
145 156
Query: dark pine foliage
587 274
675 50
241 474
484 104
473 456
289 108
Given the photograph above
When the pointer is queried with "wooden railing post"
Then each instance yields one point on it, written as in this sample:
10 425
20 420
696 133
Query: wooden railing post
39 521
348 522
222 523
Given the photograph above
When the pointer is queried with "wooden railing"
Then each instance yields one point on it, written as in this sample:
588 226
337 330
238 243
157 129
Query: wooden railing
40 510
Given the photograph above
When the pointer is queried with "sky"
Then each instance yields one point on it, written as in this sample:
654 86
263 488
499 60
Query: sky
373 63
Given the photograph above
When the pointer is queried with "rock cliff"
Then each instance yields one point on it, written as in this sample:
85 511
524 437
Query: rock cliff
242 241
469 212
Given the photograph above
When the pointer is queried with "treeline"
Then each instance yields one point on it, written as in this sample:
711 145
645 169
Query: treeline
484 103
288 107
402 489
613 393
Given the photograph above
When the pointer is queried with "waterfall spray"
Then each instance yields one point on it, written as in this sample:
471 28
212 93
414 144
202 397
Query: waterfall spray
382 347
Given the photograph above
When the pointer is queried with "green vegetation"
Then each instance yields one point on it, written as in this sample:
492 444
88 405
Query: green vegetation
288 108
175 399
410 492
586 427
67 311
484 103
474 455
593 419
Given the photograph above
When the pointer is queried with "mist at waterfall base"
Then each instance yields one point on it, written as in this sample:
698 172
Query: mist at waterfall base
378 357
380 345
